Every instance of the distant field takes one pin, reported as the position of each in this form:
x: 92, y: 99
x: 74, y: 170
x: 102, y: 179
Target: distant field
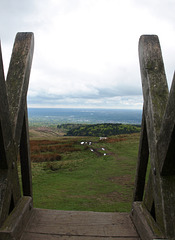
x: 83, y: 173
x: 104, y: 129
x: 45, y: 132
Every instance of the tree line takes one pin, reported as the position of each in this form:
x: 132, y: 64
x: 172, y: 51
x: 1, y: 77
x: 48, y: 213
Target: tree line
x: 99, y: 130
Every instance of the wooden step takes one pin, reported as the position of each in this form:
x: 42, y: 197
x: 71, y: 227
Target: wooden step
x: 75, y: 225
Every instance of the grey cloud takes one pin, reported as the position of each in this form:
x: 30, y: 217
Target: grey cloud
x: 120, y: 91
x: 103, y: 93
x: 114, y: 102
x: 15, y: 16
x: 53, y: 85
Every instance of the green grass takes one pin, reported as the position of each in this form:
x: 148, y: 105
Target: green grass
x: 88, y: 181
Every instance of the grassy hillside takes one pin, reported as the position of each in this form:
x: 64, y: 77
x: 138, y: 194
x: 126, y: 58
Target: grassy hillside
x: 97, y: 130
x: 84, y: 173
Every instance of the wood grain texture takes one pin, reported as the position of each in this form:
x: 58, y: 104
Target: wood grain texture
x: 25, y: 159
x: 10, y: 191
x: 12, y: 228
x: 18, y: 80
x: 142, y: 162
x: 146, y: 225
x: 51, y: 224
x: 17, y: 86
x: 155, y: 94
x: 159, y: 115
x: 166, y: 143
x: 14, y: 124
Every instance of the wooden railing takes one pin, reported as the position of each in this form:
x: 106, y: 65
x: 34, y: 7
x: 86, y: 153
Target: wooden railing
x: 154, y: 202
x: 14, y: 139
x: 153, y: 211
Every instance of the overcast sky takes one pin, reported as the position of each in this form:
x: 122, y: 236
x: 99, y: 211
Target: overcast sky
x: 86, y: 51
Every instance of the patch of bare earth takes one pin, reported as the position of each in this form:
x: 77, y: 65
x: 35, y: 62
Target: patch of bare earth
x: 124, y: 180
x: 97, y: 152
x: 44, y: 132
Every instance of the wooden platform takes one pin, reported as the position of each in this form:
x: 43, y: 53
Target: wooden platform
x: 53, y: 225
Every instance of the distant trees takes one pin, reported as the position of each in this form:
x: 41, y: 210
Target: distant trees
x: 99, y: 130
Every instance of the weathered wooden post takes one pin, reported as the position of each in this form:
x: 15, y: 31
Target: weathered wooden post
x: 14, y: 140
x: 154, y: 205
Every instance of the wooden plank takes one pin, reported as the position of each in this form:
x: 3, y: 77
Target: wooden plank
x: 146, y: 226
x: 25, y: 158
x: 12, y: 110
x: 3, y: 162
x: 155, y: 93
x: 8, y: 153
x: 36, y: 236
x: 154, y: 84
x: 18, y: 80
x: 168, y: 196
x: 148, y: 197
x: 143, y: 155
x: 79, y: 224
x: 4, y: 195
x: 5, y: 128
x: 166, y: 141
x: 17, y: 220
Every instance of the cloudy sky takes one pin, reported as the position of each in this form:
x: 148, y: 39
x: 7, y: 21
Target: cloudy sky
x: 86, y: 51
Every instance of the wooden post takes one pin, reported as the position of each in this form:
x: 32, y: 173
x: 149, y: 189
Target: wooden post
x: 154, y: 215
x: 14, y: 128
x: 17, y: 85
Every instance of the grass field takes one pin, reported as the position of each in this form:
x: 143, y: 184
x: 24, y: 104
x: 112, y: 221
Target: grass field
x: 94, y: 176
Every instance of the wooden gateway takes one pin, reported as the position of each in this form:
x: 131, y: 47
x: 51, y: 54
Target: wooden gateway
x: 154, y: 206
x: 153, y: 211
